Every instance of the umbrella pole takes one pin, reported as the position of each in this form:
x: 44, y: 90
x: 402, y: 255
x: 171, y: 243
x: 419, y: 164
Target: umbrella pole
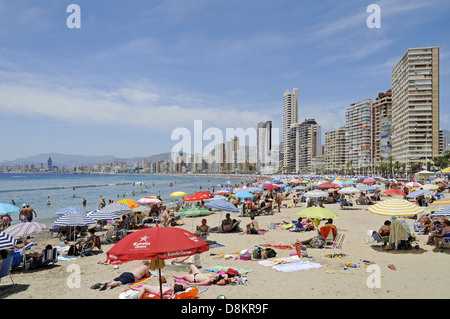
x: 160, y: 283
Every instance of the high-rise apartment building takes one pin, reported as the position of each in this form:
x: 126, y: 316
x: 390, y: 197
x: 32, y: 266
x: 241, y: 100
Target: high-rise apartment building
x: 358, y: 136
x: 415, y: 106
x: 306, y: 138
x: 381, y: 126
x: 263, y: 145
x: 334, y: 151
x: 290, y: 116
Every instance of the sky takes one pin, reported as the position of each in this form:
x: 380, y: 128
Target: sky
x: 136, y: 71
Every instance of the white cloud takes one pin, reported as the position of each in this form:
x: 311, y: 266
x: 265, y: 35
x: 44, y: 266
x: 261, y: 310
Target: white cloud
x: 138, y: 106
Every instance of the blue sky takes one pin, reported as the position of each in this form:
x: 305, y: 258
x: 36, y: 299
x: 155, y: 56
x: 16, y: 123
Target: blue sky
x: 137, y: 70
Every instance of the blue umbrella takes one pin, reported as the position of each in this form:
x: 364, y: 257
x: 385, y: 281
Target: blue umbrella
x: 222, y: 205
x: 420, y: 192
x: 8, y: 209
x: 243, y: 194
x: 69, y: 209
x: 6, y: 241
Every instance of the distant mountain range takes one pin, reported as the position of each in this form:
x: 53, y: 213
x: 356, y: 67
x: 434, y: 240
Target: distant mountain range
x: 79, y: 160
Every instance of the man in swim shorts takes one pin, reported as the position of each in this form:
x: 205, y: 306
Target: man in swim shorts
x: 126, y: 278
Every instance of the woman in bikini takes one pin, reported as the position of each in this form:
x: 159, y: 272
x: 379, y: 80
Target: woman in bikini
x: 203, y: 279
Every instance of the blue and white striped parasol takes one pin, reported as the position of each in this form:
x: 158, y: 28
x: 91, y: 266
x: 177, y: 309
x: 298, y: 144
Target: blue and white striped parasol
x: 74, y: 219
x: 222, y: 205
x: 6, y: 240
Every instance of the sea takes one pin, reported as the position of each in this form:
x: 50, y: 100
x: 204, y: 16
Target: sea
x: 48, y: 193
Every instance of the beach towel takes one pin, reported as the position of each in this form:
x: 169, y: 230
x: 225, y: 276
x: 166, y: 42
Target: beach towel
x: 67, y: 257
x: 227, y: 256
x: 276, y: 246
x: 277, y: 261
x: 217, y: 269
x: 296, y: 266
x: 138, y: 283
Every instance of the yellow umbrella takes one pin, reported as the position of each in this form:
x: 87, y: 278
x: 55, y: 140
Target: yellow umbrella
x: 430, y: 186
x: 395, y: 207
x: 177, y: 194
x: 129, y: 202
x: 446, y: 170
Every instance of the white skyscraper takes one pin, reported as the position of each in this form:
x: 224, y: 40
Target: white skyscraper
x: 290, y: 116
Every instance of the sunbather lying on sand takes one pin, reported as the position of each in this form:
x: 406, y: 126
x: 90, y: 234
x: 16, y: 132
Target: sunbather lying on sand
x: 203, y: 279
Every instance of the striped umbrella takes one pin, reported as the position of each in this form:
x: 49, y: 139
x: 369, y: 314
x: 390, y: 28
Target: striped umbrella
x: 149, y: 201
x: 316, y: 194
x: 103, y: 215
x: 74, y: 219
x: 193, y: 211
x: 444, y: 212
x: 69, y: 209
x: 116, y: 208
x: 6, y: 240
x: 395, y: 207
x: 25, y: 229
x: 441, y: 202
x: 129, y: 202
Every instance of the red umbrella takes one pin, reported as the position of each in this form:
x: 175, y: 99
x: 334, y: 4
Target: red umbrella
x: 369, y: 181
x: 198, y: 196
x: 270, y: 187
x: 328, y: 186
x: 157, y: 243
x: 395, y: 191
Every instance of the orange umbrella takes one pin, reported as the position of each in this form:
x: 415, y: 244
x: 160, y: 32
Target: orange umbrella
x: 129, y: 202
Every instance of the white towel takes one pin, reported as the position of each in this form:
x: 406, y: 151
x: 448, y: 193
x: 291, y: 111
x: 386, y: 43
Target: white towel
x: 296, y: 266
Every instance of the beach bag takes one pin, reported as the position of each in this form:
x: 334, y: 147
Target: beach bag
x: 270, y: 252
x: 257, y: 252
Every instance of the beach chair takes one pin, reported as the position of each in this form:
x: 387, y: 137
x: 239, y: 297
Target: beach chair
x: 87, y: 249
x: 337, y: 243
x: 6, y: 268
x: 443, y: 241
x: 108, y: 237
x: 419, y: 228
x: 376, y: 237
x: 49, y: 256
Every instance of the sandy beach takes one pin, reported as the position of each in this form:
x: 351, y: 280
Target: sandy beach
x: 417, y: 270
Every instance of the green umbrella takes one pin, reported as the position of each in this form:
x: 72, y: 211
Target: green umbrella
x: 193, y: 211
x: 317, y: 212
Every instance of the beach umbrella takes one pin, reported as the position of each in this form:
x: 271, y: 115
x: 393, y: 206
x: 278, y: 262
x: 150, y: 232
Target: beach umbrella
x: 70, y: 209
x: 365, y: 187
x: 444, y: 212
x: 395, y: 207
x: 193, y: 211
x: 420, y: 192
x: 116, y: 208
x: 394, y: 191
x: 328, y: 186
x: 369, y: 181
x: 317, y: 212
x: 74, y: 219
x: 348, y: 190
x: 198, y: 196
x: 413, y: 185
x: 103, y: 215
x: 441, y: 202
x: 227, y: 189
x: 222, y: 205
x: 157, y: 244
x: 220, y: 192
x: 243, y: 195
x: 218, y: 197
x: 177, y: 194
x: 129, y: 202
x: 6, y: 241
x: 25, y: 229
x: 316, y: 194
x: 6, y: 208
x: 149, y: 201
x: 431, y: 187
x: 270, y: 187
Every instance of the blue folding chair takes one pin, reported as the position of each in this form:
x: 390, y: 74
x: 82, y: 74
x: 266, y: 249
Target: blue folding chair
x: 6, y: 267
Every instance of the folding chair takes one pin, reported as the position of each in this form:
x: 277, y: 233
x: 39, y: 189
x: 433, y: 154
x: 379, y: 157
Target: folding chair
x: 419, y: 228
x: 338, y: 242
x: 49, y: 256
x: 445, y: 240
x: 377, y: 238
x: 6, y: 267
